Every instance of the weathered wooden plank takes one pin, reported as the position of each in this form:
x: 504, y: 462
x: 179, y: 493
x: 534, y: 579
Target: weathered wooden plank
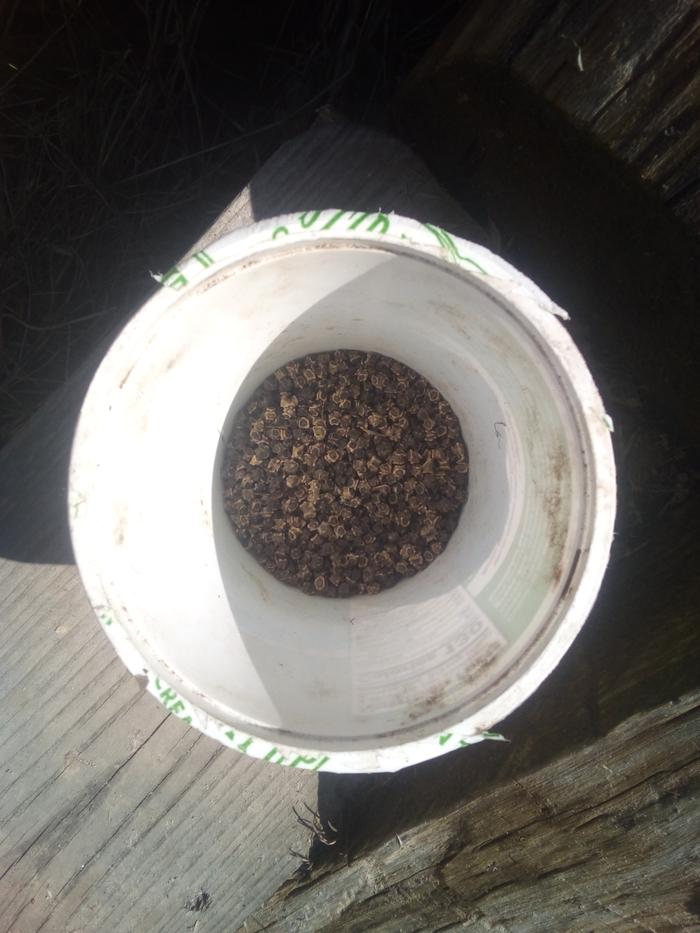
x: 602, y: 839
x: 113, y: 813
x: 495, y: 31
x: 104, y: 798
x: 624, y: 70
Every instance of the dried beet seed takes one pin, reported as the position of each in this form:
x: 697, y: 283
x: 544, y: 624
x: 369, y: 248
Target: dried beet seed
x: 345, y: 473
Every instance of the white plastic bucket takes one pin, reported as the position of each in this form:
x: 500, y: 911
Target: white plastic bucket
x: 373, y: 682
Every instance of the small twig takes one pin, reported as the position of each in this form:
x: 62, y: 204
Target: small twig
x: 305, y: 860
x: 44, y: 45
x: 315, y: 826
x: 304, y: 822
x: 42, y: 327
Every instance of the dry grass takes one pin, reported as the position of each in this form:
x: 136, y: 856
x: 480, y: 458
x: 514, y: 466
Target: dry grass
x: 111, y: 162
x: 121, y: 138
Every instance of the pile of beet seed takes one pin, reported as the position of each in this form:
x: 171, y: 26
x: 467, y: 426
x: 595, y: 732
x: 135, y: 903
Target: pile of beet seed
x: 344, y: 473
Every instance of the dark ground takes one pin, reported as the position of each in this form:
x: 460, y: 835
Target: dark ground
x: 125, y: 127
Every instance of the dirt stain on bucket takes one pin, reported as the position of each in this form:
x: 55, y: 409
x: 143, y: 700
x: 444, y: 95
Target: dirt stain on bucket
x: 428, y: 704
x: 119, y: 531
x: 557, y: 523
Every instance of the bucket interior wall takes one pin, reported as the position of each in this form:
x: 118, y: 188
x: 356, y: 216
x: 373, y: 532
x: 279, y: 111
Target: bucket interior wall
x: 368, y: 670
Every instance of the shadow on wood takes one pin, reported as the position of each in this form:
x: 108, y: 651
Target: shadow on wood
x: 34, y: 470
x: 604, y: 838
x: 627, y: 271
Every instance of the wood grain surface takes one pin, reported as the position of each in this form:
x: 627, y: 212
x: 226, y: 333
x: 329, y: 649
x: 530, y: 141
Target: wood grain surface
x: 624, y: 70
x: 561, y: 848
x: 114, y: 814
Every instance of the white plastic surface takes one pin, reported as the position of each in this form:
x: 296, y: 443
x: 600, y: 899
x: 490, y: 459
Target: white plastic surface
x: 366, y: 683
